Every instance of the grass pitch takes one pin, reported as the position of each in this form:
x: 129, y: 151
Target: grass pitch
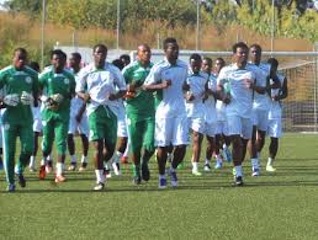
x: 281, y: 205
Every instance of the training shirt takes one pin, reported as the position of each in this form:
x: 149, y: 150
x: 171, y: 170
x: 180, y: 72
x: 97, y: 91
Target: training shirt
x: 197, y: 83
x: 99, y: 84
x: 13, y: 81
x: 62, y: 83
x: 241, y: 95
x: 76, y: 102
x: 142, y: 104
x: 172, y: 102
x: 275, y: 110
x: 260, y: 101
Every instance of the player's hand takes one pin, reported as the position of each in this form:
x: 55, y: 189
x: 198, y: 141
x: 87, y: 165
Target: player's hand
x: 166, y: 83
x: 248, y: 83
x: 130, y: 94
x: 86, y: 97
x: 189, y: 96
x: 11, y: 100
x: 51, y: 104
x: 226, y: 98
x: 26, y: 98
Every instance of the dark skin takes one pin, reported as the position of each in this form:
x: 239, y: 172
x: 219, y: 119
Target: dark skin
x: 103, y: 149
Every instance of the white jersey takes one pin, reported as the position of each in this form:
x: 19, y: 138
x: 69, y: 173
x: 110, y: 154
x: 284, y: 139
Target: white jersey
x: 239, y: 89
x: 76, y: 102
x: 197, y: 83
x: 275, y: 111
x: 100, y: 83
x: 210, y: 102
x: 261, y: 72
x: 172, y: 103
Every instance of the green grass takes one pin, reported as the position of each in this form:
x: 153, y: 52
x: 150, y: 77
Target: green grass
x: 282, y: 205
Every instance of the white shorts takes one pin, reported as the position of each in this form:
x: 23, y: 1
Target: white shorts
x: 275, y: 128
x: 37, y: 119
x: 260, y: 119
x: 81, y: 127
x: 222, y: 128
x: 173, y: 131
x: 196, y: 124
x: 240, y: 126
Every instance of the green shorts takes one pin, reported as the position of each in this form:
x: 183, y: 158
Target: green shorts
x: 141, y: 133
x: 103, y: 125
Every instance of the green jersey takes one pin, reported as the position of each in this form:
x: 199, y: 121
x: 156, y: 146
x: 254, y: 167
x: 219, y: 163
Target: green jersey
x: 63, y: 83
x: 142, y: 104
x: 14, y: 81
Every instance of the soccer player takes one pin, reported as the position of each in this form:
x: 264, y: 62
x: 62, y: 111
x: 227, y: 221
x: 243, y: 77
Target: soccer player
x: 78, y: 120
x: 222, y: 140
x: 261, y: 105
x: 140, y: 113
x: 58, y: 88
x: 196, y: 90
x: 275, y: 113
x: 211, y: 115
x: 236, y: 85
x: 125, y: 58
x: 37, y: 124
x: 168, y: 76
x: 96, y: 86
x: 20, y: 84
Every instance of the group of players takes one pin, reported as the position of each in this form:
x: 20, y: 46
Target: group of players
x: 157, y: 105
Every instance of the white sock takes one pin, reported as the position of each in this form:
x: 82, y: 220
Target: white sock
x: 126, y: 153
x: 239, y: 171
x: 270, y: 161
x: 195, y: 166
x: 73, y: 159
x: 255, y: 163
x: 32, y: 161
x: 224, y: 146
x: 84, y: 159
x: 207, y: 161
x: 172, y: 169
x: 100, y: 178
x: 49, y: 158
x: 59, y: 169
x: 43, y: 161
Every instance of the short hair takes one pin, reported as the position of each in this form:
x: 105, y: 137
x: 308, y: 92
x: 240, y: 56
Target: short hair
x: 273, y: 62
x: 118, y: 63
x: 77, y: 56
x: 167, y: 41
x: 35, y: 66
x: 257, y: 46
x: 126, y: 57
x: 58, y: 52
x: 209, y: 60
x: 21, y: 50
x: 239, y: 45
x: 221, y: 60
x: 195, y: 56
x: 100, y: 45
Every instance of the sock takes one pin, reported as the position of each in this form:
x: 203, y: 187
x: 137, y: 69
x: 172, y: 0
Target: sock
x: 49, y: 157
x: 100, y: 178
x: 172, y: 169
x: 73, y: 159
x: 162, y: 176
x: 195, y: 166
x: 270, y: 161
x: 238, y: 170
x: 59, y: 169
x: 136, y: 170
x: 43, y: 161
x: 32, y: 162
x: 207, y: 161
x: 84, y: 159
x: 255, y: 163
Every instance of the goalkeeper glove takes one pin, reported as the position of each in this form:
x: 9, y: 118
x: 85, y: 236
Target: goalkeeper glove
x: 11, y: 100
x: 54, y: 101
x: 26, y: 98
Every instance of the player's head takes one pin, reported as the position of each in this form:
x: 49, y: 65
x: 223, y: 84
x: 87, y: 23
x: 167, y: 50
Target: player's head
x: 219, y: 64
x: 125, y: 58
x: 35, y: 66
x: 20, y: 58
x: 255, y: 53
x: 118, y: 63
x: 144, y: 53
x: 58, y: 59
x: 171, y: 49
x: 273, y: 65
x: 100, y: 54
x: 195, y: 62
x: 75, y: 60
x: 207, y: 65
x: 240, y: 53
